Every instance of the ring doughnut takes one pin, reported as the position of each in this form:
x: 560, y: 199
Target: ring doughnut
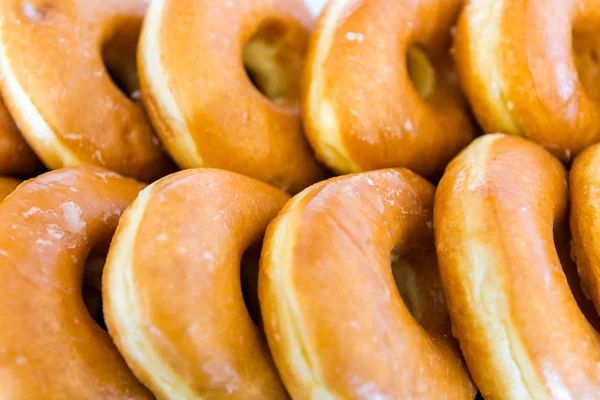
x: 7, y: 185
x: 497, y: 209
x: 53, y: 348
x: 211, y: 115
x: 182, y: 326
x: 380, y: 89
x: 531, y: 69
x: 16, y: 157
x: 60, y: 91
x: 335, y: 322
x: 585, y: 219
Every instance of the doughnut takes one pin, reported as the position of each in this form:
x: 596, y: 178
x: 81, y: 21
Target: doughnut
x: 498, y: 208
x: 60, y: 92
x: 182, y: 325
x: 584, y: 180
x: 16, y: 157
x: 7, y: 185
x: 336, y: 324
x: 379, y: 87
x: 212, y: 115
x: 53, y: 348
x: 532, y: 69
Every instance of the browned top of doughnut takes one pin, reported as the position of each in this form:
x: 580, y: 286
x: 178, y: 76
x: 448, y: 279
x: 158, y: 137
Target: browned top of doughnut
x: 182, y: 324
x: 336, y: 324
x: 201, y: 100
x: 50, y: 345
x: 60, y: 92
x: 515, y: 60
x: 512, y: 310
x: 360, y: 108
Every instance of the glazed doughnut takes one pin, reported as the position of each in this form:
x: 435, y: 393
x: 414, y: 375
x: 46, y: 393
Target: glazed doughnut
x: 7, y: 185
x: 585, y: 219
x: 53, y: 348
x: 380, y: 90
x: 60, y: 91
x: 498, y: 208
x: 532, y: 69
x: 211, y: 115
x: 182, y: 326
x: 335, y: 322
x: 16, y: 157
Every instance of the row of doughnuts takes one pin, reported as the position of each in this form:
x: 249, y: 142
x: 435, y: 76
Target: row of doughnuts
x: 338, y: 321
x: 238, y: 108
x: 481, y: 293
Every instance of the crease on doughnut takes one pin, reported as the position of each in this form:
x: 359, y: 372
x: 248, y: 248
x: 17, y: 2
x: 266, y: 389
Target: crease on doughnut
x: 124, y: 302
x: 488, y: 37
x: 151, y: 69
x: 487, y: 303
x: 329, y: 144
x: 42, y: 135
x: 305, y: 364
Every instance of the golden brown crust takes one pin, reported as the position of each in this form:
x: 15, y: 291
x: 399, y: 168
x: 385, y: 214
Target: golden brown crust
x: 51, y: 347
x: 16, y: 157
x: 182, y: 325
x: 360, y: 109
x: 584, y: 181
x: 336, y: 324
x: 515, y: 61
x: 7, y: 185
x: 497, y: 210
x: 210, y: 115
x: 60, y: 92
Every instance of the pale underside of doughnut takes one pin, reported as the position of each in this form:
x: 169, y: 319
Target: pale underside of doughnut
x: 477, y: 46
x: 177, y: 137
x: 41, y: 136
x: 51, y: 346
x: 290, y: 325
x: 329, y: 143
x: 147, y: 332
x: 520, y: 329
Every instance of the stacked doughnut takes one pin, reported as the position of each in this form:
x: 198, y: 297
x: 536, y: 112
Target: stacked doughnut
x: 245, y: 203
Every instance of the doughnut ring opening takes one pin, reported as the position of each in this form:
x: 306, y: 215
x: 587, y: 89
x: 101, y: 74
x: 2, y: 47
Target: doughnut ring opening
x: 584, y: 180
x: 335, y: 321
x: 182, y: 325
x: 533, y: 69
x: 61, y: 90
x: 211, y: 115
x: 16, y: 157
x: 379, y: 87
x: 497, y: 210
x: 51, y: 346
x: 7, y: 185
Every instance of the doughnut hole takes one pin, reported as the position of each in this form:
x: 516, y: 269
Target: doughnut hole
x: 586, y: 54
x: 562, y: 241
x: 273, y: 58
x: 119, y: 57
x: 420, y: 71
x: 91, y: 289
x: 249, y: 280
x: 417, y: 280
